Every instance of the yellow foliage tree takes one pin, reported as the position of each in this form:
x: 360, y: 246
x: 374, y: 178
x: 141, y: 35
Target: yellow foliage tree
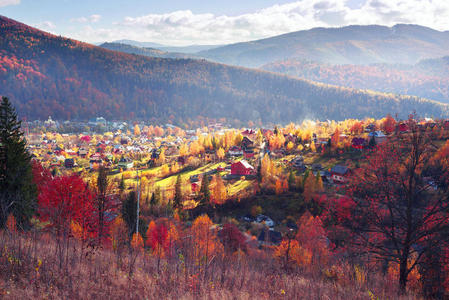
x: 136, y: 130
x: 183, y: 150
x: 205, y: 240
x: 137, y: 242
x: 218, y: 190
x: 220, y: 154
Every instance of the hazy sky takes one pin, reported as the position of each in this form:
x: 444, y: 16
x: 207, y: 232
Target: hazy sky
x: 184, y: 22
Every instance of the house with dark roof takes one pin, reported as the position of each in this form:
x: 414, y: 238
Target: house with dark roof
x: 340, y: 174
x: 269, y: 237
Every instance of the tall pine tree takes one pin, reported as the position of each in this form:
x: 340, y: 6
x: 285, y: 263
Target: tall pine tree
x: 177, y: 201
x: 18, y: 192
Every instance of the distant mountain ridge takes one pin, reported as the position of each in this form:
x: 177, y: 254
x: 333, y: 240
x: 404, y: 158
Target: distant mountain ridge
x: 180, y: 49
x: 44, y: 75
x: 353, y: 44
x: 151, y: 52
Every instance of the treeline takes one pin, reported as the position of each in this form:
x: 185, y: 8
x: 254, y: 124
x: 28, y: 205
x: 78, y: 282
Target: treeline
x: 46, y: 74
x: 428, y: 79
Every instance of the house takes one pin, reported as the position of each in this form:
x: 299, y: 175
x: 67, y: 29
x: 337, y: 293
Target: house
x: 125, y: 163
x: 298, y: 163
x: 195, y: 187
x: 265, y: 219
x: 370, y: 127
x: 235, y: 151
x: 247, y: 143
x: 248, y: 153
x: 249, y: 133
x: 69, y: 163
x: 402, y: 127
x: 359, y: 143
x: 242, y: 168
x: 379, y: 136
x: 269, y: 237
x: 82, y: 152
x: 340, y: 174
x: 95, y: 161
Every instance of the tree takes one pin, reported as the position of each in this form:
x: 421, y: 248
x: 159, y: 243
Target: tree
x: 396, y: 216
x: 309, y: 186
x: 218, y: 194
x: 67, y: 199
x: 156, y: 197
x: 205, y: 240
x: 232, y: 239
x: 129, y: 212
x: 103, y: 199
x: 121, y: 185
x: 291, y: 181
x: 177, y: 200
x: 220, y: 153
x: 18, y: 192
x: 389, y: 124
x: 136, y: 130
x: 204, y: 190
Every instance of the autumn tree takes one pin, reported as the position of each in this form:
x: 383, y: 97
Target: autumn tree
x: 218, y: 190
x: 388, y: 124
x: 183, y: 150
x: 309, y: 186
x: 396, y: 216
x: 17, y: 190
x: 220, y: 153
x: 136, y: 130
x: 67, y: 199
x: 232, y: 239
x: 204, y: 237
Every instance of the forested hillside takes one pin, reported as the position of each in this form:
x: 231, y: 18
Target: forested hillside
x: 354, y: 44
x: 428, y: 79
x: 47, y: 75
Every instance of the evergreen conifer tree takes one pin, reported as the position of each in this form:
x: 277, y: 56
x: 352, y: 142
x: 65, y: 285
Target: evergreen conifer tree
x: 204, y: 190
x: 177, y: 201
x: 129, y: 212
x: 18, y: 192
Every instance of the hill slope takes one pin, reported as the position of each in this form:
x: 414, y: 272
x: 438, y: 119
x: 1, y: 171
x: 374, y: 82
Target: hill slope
x: 152, y: 52
x: 428, y: 79
x: 347, y: 45
x: 48, y: 75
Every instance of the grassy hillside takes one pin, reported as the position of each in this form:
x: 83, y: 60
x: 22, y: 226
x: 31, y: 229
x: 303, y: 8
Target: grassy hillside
x: 47, y: 75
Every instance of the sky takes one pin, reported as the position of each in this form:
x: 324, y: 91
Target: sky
x: 206, y: 22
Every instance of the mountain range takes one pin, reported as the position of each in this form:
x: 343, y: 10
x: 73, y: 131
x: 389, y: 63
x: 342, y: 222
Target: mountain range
x: 46, y: 75
x: 404, y: 44
x: 179, y: 49
x: 146, y: 51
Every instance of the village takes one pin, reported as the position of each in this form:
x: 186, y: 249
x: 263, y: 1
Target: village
x: 295, y: 164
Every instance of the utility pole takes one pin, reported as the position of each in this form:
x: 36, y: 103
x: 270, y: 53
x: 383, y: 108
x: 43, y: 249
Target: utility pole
x: 138, y: 202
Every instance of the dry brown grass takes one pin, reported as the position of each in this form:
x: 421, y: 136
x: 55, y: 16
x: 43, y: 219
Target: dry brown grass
x: 76, y: 273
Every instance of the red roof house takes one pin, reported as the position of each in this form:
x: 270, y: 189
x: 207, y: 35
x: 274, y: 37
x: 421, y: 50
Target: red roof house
x: 242, y: 168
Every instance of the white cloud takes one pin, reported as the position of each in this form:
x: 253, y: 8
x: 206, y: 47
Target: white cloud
x: 9, y: 2
x: 185, y: 27
x: 90, y: 19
